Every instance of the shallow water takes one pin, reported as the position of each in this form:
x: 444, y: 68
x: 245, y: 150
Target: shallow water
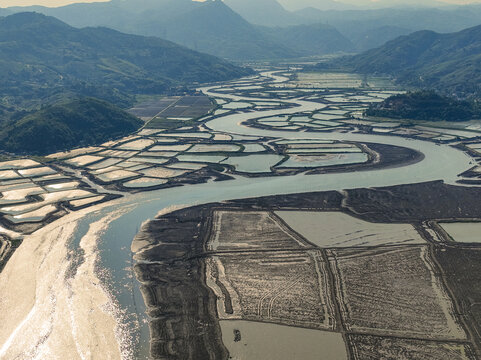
x: 325, y: 150
x: 463, y: 232
x: 254, y: 163
x: 277, y: 342
x: 237, y: 105
x: 336, y: 229
x: 201, y: 158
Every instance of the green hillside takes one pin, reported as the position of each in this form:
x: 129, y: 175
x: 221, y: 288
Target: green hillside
x: 79, y: 122
x: 425, y: 105
x: 450, y: 63
x: 44, y: 59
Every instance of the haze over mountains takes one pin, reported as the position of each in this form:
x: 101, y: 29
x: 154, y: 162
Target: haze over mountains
x: 211, y: 27
x: 294, y: 5
x: 256, y: 29
x: 244, y: 29
x: 256, y: 11
x: 43, y: 58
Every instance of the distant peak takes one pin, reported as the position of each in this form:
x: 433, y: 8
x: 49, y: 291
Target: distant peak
x: 29, y: 19
x: 30, y: 15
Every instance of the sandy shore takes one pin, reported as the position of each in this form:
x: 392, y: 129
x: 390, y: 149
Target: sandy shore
x: 57, y: 306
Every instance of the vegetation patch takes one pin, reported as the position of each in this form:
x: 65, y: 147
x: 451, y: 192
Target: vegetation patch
x: 81, y: 122
x: 169, y: 124
x: 425, y: 105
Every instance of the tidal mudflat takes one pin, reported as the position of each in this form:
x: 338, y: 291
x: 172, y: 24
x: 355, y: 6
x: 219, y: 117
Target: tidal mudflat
x: 200, y: 273
x: 379, y: 284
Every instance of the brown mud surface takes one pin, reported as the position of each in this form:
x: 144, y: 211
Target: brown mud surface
x: 461, y: 268
x: 366, y: 347
x: 181, y: 307
x: 173, y: 256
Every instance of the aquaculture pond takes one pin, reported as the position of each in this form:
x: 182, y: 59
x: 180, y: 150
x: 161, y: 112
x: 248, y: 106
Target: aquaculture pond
x: 248, y: 340
x: 463, y: 232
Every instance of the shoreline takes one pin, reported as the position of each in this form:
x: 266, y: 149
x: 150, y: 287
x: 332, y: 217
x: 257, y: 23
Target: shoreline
x: 45, y: 292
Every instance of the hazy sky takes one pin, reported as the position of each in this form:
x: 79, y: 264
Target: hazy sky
x: 53, y: 3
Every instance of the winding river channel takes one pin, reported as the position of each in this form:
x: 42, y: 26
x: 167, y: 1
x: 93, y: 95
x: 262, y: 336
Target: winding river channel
x: 112, y: 250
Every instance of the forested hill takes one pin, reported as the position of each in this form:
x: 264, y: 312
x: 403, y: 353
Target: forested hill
x: 425, y: 105
x: 43, y: 58
x: 450, y: 63
x: 79, y: 122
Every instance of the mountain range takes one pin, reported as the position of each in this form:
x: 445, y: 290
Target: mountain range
x: 43, y: 59
x: 211, y: 26
x: 295, y: 5
x: 368, y: 29
x: 242, y: 29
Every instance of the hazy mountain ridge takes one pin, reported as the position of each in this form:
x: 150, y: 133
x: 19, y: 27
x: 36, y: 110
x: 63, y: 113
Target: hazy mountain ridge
x: 369, y: 29
x: 213, y: 27
x: 295, y: 5
x: 216, y: 29
x: 450, y: 63
x: 264, y: 12
x: 311, y: 40
x: 42, y: 56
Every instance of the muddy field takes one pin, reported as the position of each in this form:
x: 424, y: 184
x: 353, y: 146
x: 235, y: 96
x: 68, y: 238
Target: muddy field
x: 415, y: 203
x: 181, y: 307
x: 245, y: 263
x: 267, y: 287
x: 367, y: 347
x: 461, y: 267
x: 393, y: 291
